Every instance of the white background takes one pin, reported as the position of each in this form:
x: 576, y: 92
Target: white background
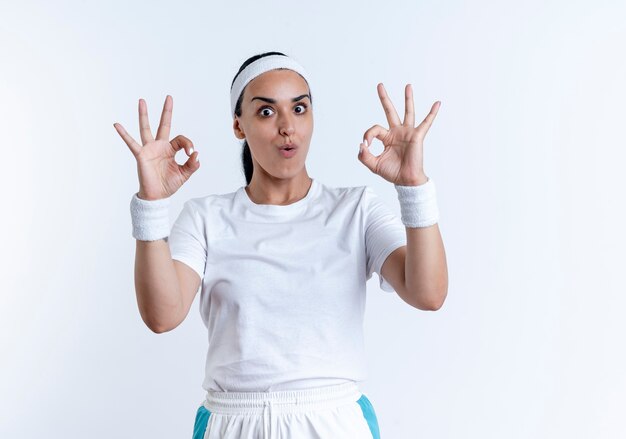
x: 526, y: 152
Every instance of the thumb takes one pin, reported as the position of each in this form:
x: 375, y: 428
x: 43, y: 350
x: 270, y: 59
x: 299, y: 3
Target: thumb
x: 366, y: 157
x: 191, y: 165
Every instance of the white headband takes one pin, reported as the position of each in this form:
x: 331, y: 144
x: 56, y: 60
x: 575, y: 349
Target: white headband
x: 258, y: 67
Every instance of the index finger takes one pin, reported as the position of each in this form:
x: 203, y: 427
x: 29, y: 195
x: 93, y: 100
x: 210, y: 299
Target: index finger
x: 163, y: 133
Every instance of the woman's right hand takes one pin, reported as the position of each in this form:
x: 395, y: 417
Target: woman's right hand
x: 159, y: 174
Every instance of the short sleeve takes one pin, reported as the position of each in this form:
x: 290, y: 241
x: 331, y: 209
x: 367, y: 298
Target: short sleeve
x: 187, y: 239
x: 384, y: 232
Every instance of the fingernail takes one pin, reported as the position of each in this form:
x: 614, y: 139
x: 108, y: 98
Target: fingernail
x: 365, y: 142
x: 191, y: 150
x: 197, y: 155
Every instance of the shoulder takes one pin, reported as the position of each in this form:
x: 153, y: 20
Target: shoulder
x: 207, y: 208
x: 344, y: 193
x: 208, y: 202
x: 374, y: 204
x: 354, y: 198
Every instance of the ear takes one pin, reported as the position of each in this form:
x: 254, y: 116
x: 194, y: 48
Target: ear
x: 237, y: 129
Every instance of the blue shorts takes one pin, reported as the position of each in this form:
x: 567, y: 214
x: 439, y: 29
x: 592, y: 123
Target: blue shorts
x: 329, y: 412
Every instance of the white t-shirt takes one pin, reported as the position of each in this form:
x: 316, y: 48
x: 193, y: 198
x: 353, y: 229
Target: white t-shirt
x: 283, y: 287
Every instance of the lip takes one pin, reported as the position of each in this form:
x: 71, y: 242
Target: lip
x: 288, y: 145
x: 288, y: 153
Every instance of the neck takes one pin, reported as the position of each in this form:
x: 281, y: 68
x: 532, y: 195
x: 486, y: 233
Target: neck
x: 278, y: 191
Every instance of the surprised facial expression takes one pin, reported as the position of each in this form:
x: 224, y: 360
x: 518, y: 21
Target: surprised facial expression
x: 276, y: 111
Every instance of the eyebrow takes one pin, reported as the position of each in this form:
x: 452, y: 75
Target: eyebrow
x: 273, y: 101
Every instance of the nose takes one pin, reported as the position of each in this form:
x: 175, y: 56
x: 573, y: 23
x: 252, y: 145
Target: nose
x: 286, y: 125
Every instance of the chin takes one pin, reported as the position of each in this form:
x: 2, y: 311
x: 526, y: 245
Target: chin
x: 287, y: 172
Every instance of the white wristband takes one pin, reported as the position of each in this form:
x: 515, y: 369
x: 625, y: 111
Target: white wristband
x: 150, y: 218
x: 418, y: 204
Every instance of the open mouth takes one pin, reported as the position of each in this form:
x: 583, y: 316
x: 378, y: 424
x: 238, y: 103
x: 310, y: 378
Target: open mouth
x: 288, y: 151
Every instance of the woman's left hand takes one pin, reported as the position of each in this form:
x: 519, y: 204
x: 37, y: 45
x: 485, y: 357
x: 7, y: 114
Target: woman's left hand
x: 402, y: 160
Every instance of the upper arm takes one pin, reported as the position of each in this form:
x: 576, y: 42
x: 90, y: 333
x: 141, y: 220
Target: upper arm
x: 188, y: 249
x: 189, y: 283
x: 385, y: 236
x: 393, y: 270
x: 187, y: 239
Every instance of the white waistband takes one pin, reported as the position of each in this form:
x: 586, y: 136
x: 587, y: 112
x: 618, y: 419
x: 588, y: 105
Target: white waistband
x: 282, y: 400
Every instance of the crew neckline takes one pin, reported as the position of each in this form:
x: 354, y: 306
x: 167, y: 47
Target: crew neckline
x: 278, y: 209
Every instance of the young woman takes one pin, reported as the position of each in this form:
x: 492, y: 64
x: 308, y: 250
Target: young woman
x: 283, y: 261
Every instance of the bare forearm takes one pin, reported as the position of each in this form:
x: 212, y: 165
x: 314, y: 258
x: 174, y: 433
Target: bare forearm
x: 426, y: 269
x: 156, y: 284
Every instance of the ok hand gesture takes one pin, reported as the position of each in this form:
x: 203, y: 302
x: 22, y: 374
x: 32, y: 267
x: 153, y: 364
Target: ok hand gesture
x: 159, y: 174
x: 402, y: 160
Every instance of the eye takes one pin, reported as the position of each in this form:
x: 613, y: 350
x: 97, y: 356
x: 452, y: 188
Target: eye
x: 264, y: 109
x: 305, y: 108
x: 267, y: 108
